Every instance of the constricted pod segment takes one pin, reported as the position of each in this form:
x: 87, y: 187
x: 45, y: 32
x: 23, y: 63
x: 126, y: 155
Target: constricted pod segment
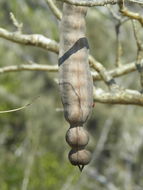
x: 77, y: 137
x: 75, y: 80
x: 79, y: 157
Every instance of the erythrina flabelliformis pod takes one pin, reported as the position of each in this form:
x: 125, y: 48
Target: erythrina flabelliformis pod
x: 79, y: 157
x: 77, y: 137
x: 75, y: 81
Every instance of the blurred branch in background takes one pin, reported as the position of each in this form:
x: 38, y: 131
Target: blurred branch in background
x: 54, y: 9
x: 117, y: 72
x: 140, y: 2
x: 119, y: 21
x: 106, y: 77
x: 101, y: 179
x: 102, y: 139
x: 33, y: 40
x: 18, y: 25
x: 128, y: 13
x: 122, y: 96
x: 90, y: 3
x: 31, y: 67
x: 139, y: 62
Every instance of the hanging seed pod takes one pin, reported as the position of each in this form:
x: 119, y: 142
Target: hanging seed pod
x: 77, y: 137
x: 75, y: 80
x: 79, y: 157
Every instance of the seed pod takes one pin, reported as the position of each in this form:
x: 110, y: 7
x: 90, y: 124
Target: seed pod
x: 75, y: 81
x: 77, y: 137
x: 79, y: 157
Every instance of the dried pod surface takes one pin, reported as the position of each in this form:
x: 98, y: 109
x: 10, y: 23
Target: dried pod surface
x: 79, y: 157
x: 75, y: 81
x: 76, y: 85
x: 77, y: 137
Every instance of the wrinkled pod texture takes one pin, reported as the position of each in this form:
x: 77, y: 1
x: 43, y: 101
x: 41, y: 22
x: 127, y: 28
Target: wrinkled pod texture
x: 75, y: 81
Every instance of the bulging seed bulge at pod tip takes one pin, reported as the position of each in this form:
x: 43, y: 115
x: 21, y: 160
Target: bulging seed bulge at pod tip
x: 77, y: 137
x: 79, y: 157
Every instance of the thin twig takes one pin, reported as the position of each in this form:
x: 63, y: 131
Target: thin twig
x: 16, y: 23
x: 54, y: 9
x: 27, y: 171
x: 119, y: 46
x: 20, y: 108
x: 119, y: 22
x: 126, y: 12
x: 139, y: 63
x: 107, y: 78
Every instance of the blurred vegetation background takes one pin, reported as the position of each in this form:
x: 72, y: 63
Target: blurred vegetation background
x: 33, y: 151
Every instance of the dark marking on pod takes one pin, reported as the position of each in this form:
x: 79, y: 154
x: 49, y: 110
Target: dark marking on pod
x: 79, y: 44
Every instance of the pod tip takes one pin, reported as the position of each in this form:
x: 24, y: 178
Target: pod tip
x: 81, y: 167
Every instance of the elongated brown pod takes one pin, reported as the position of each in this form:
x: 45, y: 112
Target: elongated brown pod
x: 75, y: 81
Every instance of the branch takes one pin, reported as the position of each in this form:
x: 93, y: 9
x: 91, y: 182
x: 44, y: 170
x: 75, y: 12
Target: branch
x: 33, y: 40
x: 118, y: 21
x: 139, y: 63
x: 100, y: 178
x: 90, y: 3
x: 118, y: 45
x: 32, y: 67
x: 117, y: 72
x: 18, y: 25
x: 131, y: 97
x: 122, y: 70
x: 118, y: 97
x: 107, y: 78
x: 51, y: 45
x: 54, y: 9
x: 128, y: 13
